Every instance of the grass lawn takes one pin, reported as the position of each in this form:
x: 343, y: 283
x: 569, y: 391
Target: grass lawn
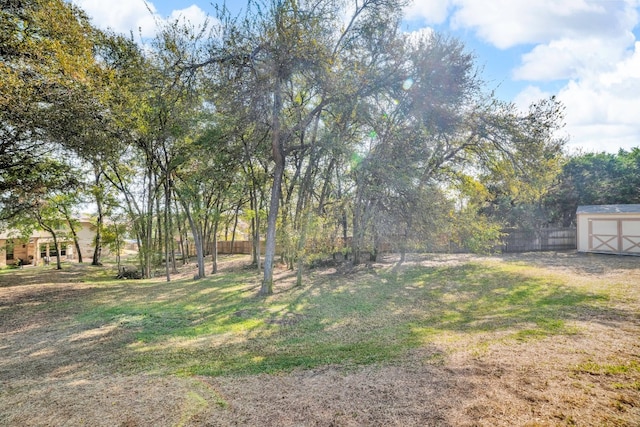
x: 218, y: 326
x: 452, y: 322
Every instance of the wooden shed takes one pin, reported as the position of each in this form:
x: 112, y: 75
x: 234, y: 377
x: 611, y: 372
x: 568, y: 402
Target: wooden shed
x: 613, y: 229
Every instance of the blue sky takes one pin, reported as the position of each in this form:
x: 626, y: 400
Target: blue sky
x: 586, y: 52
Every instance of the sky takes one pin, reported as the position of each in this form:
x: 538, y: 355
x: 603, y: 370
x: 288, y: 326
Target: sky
x: 585, y: 52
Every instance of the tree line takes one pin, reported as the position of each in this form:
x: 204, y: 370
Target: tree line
x: 321, y: 125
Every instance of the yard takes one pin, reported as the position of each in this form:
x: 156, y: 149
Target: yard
x: 534, y: 339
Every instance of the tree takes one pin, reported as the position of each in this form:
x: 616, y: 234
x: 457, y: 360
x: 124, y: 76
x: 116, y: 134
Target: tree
x: 283, y: 54
x: 46, y: 69
x: 114, y: 236
x: 424, y: 124
x: 433, y: 123
x: 594, y: 179
x: 207, y: 169
x: 43, y: 207
x: 521, y: 175
x: 299, y: 48
x: 66, y: 205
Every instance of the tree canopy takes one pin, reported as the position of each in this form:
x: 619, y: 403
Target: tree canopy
x: 323, y: 127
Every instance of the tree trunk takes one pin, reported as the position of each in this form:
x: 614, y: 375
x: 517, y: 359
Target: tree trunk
x: 74, y: 234
x: 255, y: 229
x: 182, y: 234
x: 171, y: 232
x: 214, y: 250
x: 168, y: 256
x: 355, y: 239
x: 76, y: 242
x: 357, y: 227
x: 257, y: 249
x: 377, y: 244
x: 301, y: 245
x: 55, y: 244
x: 197, y: 240
x: 199, y: 244
x: 270, y: 250
x: 235, y: 226
x: 277, y: 147
x: 158, y: 241
x: 149, y: 227
x: 118, y: 249
x: 97, y: 250
x: 343, y: 219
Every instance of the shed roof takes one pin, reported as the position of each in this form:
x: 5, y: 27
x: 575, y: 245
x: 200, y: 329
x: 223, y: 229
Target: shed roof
x: 612, y: 209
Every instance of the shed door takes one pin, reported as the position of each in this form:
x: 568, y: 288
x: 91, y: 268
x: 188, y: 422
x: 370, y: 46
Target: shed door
x: 630, y: 236
x: 616, y: 235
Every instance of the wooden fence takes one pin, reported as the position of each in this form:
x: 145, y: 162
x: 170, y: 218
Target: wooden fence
x: 225, y: 247
x: 544, y: 239
x: 239, y: 247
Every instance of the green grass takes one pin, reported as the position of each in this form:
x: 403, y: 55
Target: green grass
x: 593, y: 368
x: 219, y: 326
x: 635, y: 385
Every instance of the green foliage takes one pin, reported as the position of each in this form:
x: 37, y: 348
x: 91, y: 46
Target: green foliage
x: 595, y: 179
x: 358, y: 130
x: 51, y: 95
x: 37, y: 179
x: 113, y: 235
x: 476, y: 233
x: 48, y: 207
x: 519, y: 177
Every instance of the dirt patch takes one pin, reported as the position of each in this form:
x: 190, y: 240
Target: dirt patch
x: 54, y: 371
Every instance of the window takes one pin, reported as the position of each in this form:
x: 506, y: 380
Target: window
x: 9, y: 250
x: 52, y: 251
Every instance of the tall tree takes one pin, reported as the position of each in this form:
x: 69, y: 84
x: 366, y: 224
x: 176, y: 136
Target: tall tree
x: 521, y: 174
x: 46, y: 68
x: 300, y: 46
x: 207, y: 169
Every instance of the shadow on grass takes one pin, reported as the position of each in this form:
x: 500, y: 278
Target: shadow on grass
x: 219, y: 326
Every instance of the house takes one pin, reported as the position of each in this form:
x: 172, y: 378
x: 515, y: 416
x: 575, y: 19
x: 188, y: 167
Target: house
x: 39, y: 247
x: 611, y: 229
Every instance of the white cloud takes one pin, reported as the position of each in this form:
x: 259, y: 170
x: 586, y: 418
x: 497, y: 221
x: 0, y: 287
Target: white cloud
x: 432, y: 11
x: 596, y: 120
x: 508, y: 23
x: 142, y: 18
x: 415, y: 37
x: 602, y: 109
x: 570, y: 58
x: 193, y: 14
x: 596, y: 138
x: 121, y: 16
x: 626, y: 71
x: 585, y: 47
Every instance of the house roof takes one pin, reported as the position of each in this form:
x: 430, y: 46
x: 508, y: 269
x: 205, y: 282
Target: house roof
x: 13, y: 234
x: 6, y: 233
x: 608, y: 209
